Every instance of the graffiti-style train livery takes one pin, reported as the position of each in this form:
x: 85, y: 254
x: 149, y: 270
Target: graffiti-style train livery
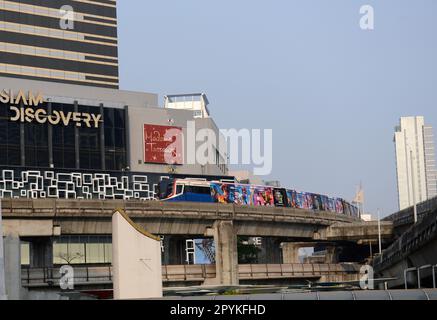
x: 196, y: 190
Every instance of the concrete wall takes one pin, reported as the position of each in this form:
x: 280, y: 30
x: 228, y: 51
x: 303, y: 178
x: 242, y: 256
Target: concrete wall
x: 59, y: 92
x: 136, y: 260
x: 138, y: 117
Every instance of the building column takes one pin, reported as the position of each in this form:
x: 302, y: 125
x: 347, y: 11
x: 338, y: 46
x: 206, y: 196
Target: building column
x: 331, y: 255
x: 102, y: 138
x: 77, y: 138
x: 128, y: 146
x: 50, y: 137
x: 12, y: 261
x: 41, y: 253
x: 290, y: 251
x: 22, y: 140
x: 226, y: 255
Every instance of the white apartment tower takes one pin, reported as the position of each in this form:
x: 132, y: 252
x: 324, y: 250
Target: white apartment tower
x: 415, y: 161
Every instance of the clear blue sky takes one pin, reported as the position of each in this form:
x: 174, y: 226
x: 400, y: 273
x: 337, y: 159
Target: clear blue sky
x: 332, y: 92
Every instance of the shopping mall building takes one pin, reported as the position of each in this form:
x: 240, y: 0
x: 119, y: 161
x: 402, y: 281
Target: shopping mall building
x: 80, y: 142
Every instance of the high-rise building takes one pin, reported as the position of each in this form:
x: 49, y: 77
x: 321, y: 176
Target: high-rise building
x: 415, y: 160
x: 67, y: 41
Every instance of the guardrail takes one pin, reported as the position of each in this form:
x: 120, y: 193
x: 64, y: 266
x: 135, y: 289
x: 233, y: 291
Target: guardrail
x: 406, y: 216
x: 412, y: 240
x: 418, y: 272
x: 186, y: 273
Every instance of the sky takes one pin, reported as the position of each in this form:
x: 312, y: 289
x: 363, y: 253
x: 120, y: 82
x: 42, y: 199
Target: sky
x: 331, y: 92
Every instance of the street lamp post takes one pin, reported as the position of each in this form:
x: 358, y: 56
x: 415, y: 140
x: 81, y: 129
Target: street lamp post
x: 414, y: 187
x: 2, y: 260
x: 379, y: 233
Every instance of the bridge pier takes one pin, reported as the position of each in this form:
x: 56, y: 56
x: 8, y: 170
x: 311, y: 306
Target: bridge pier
x: 270, y: 251
x: 12, y: 260
x: 174, y: 250
x: 290, y: 251
x: 226, y: 255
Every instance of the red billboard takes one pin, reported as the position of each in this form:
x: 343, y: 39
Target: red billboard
x: 163, y: 144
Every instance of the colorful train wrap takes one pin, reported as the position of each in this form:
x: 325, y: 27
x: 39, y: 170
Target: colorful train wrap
x: 198, y: 190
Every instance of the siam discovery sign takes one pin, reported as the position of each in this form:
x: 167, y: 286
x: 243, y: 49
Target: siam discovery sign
x: 22, y: 108
x: 163, y: 144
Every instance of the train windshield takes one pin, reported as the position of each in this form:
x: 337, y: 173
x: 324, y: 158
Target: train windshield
x: 165, y: 188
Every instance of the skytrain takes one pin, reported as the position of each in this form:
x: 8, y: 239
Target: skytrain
x: 199, y: 190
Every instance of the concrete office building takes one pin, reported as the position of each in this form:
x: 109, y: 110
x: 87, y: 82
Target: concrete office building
x: 415, y: 161
x: 62, y: 41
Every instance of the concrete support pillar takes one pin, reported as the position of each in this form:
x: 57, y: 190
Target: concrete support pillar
x: 331, y: 255
x: 41, y: 253
x: 270, y: 251
x: 226, y: 255
x: 174, y: 250
x: 12, y: 262
x: 290, y: 251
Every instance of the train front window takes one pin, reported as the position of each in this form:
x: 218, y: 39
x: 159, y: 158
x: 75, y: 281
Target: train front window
x: 198, y: 190
x: 179, y: 188
x: 165, y: 189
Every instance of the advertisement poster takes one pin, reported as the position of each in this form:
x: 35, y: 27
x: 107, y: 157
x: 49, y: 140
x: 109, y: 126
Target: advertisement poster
x: 229, y: 193
x: 162, y: 140
x: 338, y: 206
x: 263, y: 196
x: 317, y: 202
x: 219, y: 192
x: 242, y: 194
x: 292, y: 199
x: 331, y: 204
x: 308, y: 204
x: 300, y: 200
x: 280, y: 197
x: 325, y: 206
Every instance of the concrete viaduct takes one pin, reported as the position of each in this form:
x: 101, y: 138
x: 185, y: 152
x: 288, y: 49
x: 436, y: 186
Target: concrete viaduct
x: 47, y: 218
x: 415, y: 246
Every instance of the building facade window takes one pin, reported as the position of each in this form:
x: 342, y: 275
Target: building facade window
x: 115, y: 139
x: 73, y: 147
x: 36, y: 147
x: 89, y: 143
x: 82, y: 250
x: 64, y: 151
x: 10, y: 150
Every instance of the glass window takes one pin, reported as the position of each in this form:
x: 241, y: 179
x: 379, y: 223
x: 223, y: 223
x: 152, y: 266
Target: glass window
x: 9, y: 139
x: 25, y: 253
x: 69, y: 253
x: 95, y: 252
x: 82, y: 250
x: 60, y: 253
x: 115, y: 139
x: 64, y: 141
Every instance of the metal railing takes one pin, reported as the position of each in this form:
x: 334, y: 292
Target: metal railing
x: 418, y: 272
x: 412, y: 240
x: 193, y: 273
x: 52, y: 276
